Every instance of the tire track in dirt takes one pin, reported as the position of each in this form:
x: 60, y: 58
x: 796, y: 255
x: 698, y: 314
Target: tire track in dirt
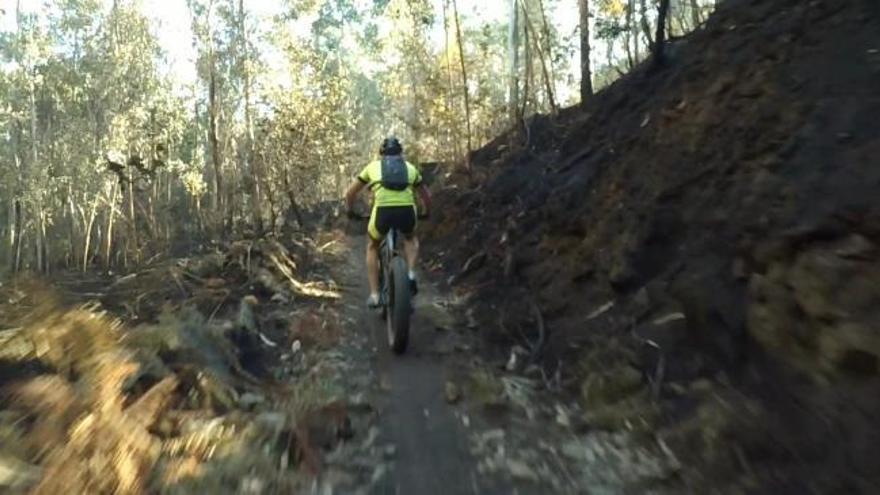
x: 430, y: 442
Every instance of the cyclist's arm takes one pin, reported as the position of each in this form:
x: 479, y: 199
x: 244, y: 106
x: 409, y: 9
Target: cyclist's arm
x: 351, y: 195
x: 361, y: 180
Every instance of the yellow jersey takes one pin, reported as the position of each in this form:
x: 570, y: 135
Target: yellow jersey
x: 371, y: 175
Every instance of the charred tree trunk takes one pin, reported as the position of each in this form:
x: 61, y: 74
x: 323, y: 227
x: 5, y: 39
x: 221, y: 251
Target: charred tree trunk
x: 294, y: 205
x: 646, y: 26
x: 627, y: 40
x: 464, y: 81
x: 548, y: 83
x: 528, y: 79
x: 586, y: 72
x: 217, y: 198
x: 250, y: 163
x: 660, y: 38
x: 634, y: 31
x: 513, y: 57
x: 695, y: 14
x: 454, y: 135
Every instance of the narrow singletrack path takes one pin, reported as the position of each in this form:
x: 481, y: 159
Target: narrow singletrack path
x: 428, y: 435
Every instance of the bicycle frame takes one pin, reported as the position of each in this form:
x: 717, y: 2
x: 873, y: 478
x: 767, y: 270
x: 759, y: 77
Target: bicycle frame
x: 387, y: 250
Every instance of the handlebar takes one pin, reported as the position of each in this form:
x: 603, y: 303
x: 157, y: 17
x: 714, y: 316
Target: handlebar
x: 353, y: 215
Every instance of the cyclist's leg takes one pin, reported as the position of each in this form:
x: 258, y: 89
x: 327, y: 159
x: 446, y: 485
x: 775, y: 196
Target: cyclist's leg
x: 411, y: 252
x: 373, y: 242
x: 411, y: 249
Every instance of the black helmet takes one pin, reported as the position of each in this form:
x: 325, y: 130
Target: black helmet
x: 390, y: 146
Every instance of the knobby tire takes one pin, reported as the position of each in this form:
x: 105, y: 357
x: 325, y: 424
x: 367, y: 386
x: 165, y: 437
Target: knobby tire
x: 399, y: 305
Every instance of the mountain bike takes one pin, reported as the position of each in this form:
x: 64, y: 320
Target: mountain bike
x: 395, y: 295
x: 394, y: 290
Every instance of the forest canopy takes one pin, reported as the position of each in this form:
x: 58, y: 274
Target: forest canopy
x: 133, y: 128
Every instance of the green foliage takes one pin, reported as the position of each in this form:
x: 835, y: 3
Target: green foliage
x: 107, y: 159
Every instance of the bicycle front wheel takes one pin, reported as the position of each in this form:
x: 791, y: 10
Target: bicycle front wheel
x: 399, y: 306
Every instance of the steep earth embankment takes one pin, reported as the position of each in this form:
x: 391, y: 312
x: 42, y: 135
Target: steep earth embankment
x: 702, y: 243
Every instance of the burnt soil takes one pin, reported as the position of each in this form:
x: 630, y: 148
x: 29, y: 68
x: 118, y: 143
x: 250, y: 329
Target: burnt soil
x: 713, y: 224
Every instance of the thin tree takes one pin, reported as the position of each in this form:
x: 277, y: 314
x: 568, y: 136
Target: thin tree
x: 452, y: 130
x: 628, y: 39
x: 660, y: 38
x: 586, y: 73
x: 513, y: 57
x: 250, y: 163
x: 646, y: 27
x: 529, y: 77
x: 695, y: 14
x: 548, y: 82
x: 548, y: 39
x: 633, y: 31
x: 464, y: 79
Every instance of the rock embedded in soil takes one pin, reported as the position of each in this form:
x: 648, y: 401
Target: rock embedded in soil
x: 521, y: 470
x: 610, y: 386
x: 452, y: 392
x: 249, y: 400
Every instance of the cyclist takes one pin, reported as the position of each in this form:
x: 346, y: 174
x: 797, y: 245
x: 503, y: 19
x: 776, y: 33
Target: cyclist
x: 395, y: 184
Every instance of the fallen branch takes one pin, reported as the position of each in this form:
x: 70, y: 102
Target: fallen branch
x: 471, y: 265
x: 538, y: 348
x: 214, y: 313
x: 122, y: 280
x: 659, y: 370
x: 324, y: 246
x: 305, y: 289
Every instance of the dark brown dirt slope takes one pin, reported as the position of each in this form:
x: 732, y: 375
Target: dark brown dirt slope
x: 729, y: 206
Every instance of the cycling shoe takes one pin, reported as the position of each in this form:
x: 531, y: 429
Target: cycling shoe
x: 374, y: 302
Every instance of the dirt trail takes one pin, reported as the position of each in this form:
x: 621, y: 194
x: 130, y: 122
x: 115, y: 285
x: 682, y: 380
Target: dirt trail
x: 429, y: 439
x: 502, y: 435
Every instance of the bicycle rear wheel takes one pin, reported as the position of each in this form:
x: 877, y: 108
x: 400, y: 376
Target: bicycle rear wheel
x: 399, y: 305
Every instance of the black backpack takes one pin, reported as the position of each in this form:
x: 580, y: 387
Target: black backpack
x: 395, y: 173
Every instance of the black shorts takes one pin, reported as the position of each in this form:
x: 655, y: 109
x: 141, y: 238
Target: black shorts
x: 384, y: 218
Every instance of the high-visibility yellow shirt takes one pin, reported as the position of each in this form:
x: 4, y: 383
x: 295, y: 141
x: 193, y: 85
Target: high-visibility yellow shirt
x: 371, y: 175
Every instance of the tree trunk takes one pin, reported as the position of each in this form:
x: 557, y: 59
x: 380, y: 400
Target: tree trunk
x: 646, y: 26
x: 627, y: 40
x: 38, y: 225
x: 634, y: 32
x: 660, y: 38
x: 294, y: 205
x: 695, y: 14
x: 39, y: 240
x: 527, y: 81
x: 454, y: 129
x: 89, y: 225
x: 132, y: 218
x: 548, y: 40
x: 250, y: 163
x: 15, y: 256
x: 450, y: 85
x: 609, y: 53
x: 548, y: 83
x: 270, y: 197
x: 10, y: 253
x: 216, y: 160
x: 513, y: 58
x: 464, y: 80
x: 586, y: 73
x: 15, y: 220
x: 108, y: 241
